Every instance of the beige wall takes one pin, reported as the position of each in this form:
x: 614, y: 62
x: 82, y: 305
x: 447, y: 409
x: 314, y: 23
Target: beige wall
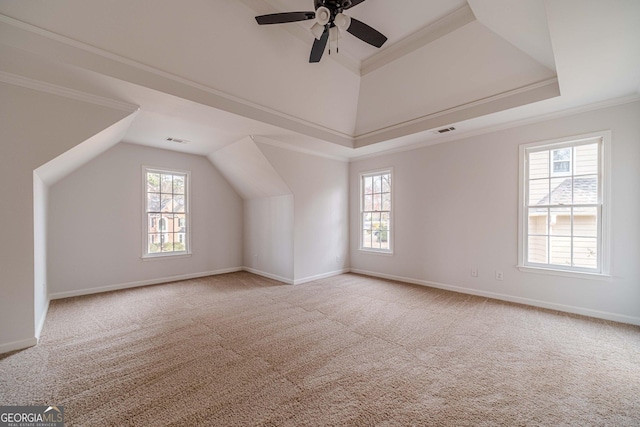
x: 456, y: 208
x: 36, y: 127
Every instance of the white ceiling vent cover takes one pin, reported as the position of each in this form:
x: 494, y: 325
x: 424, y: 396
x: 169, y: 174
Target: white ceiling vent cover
x: 444, y: 130
x: 177, y: 140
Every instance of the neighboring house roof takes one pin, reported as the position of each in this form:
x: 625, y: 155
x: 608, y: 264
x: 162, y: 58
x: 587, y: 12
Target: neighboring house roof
x: 584, y: 188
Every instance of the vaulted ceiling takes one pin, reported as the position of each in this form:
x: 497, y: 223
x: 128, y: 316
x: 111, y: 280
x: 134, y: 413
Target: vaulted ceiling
x: 204, y: 71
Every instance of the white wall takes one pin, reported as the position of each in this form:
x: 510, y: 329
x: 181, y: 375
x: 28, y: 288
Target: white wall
x: 321, y: 210
x: 268, y: 237
x: 95, y: 223
x: 36, y: 127
x: 456, y: 208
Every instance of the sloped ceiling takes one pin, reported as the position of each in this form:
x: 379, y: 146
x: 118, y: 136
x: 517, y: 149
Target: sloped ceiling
x: 446, y: 63
x: 248, y: 170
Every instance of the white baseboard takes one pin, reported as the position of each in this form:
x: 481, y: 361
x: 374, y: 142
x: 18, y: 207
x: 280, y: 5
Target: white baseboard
x: 18, y: 345
x: 268, y: 275
x: 43, y: 317
x: 88, y: 291
x: 503, y: 297
x: 320, y: 276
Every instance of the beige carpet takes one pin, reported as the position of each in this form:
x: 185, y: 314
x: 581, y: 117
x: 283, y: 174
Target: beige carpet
x: 239, y: 349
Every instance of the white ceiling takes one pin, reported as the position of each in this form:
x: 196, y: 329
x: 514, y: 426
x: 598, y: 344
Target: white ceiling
x: 204, y: 71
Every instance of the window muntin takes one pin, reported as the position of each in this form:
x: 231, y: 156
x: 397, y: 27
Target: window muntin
x: 166, y: 212
x: 563, y: 206
x: 375, y: 211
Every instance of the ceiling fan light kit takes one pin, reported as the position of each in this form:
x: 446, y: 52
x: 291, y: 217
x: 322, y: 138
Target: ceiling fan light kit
x: 329, y: 19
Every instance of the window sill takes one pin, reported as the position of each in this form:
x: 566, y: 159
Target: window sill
x: 562, y: 273
x: 169, y: 256
x: 376, y: 252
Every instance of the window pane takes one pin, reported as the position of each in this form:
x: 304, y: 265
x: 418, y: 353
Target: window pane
x: 166, y: 203
x: 585, y: 222
x: 368, y: 185
x: 539, y: 165
x: 561, y: 161
x: 377, y: 202
x: 377, y: 184
x: 178, y: 246
x: 366, y: 221
x: 586, y: 159
x: 153, y: 182
x: 585, y: 190
x: 153, y: 202
x: 585, y: 252
x: 166, y: 183
x: 368, y: 202
x: 538, y: 220
x: 560, y: 250
x: 153, y: 223
x: 386, y: 183
x: 166, y: 223
x: 180, y: 222
x: 366, y: 238
x: 154, y: 243
x: 375, y: 220
x: 178, y: 184
x: 561, y: 191
x: 178, y: 204
x: 539, y: 192
x: 386, y: 202
x: 537, y: 249
x: 560, y: 224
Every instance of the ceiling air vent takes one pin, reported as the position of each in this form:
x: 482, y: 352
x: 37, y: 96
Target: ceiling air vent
x: 177, y: 140
x: 444, y: 130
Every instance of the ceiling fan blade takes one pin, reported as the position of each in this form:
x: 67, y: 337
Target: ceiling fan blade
x: 354, y: 3
x: 318, y: 47
x: 366, y: 33
x: 281, y: 18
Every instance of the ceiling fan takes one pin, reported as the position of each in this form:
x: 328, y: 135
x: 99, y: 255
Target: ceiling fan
x: 328, y: 15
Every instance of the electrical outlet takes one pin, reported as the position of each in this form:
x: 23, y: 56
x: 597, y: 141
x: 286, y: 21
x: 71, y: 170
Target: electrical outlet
x: 499, y: 275
x: 337, y: 258
x: 474, y: 272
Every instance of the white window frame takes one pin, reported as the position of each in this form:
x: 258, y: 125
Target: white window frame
x: 146, y: 256
x: 604, y: 220
x: 391, y: 230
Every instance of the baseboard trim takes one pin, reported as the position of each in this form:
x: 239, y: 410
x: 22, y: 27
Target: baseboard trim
x: 18, y: 345
x: 89, y: 291
x: 40, y: 324
x: 268, y: 275
x: 320, y: 276
x: 503, y: 297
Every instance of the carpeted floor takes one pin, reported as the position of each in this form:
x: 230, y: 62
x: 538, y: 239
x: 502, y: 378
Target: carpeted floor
x: 238, y: 349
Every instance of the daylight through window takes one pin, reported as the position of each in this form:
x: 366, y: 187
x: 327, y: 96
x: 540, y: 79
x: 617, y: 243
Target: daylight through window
x: 563, y: 206
x: 375, y: 202
x: 166, y: 213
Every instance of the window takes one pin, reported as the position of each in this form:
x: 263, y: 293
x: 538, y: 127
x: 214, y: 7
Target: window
x: 166, y: 212
x: 375, y: 211
x: 564, y: 205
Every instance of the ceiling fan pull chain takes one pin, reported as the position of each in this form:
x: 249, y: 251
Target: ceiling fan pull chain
x: 329, y: 29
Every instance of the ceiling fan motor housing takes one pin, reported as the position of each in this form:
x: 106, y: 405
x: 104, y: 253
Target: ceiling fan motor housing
x: 335, y: 6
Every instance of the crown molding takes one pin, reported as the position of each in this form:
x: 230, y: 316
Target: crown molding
x: 77, y: 95
x: 172, y: 84
x: 609, y: 103
x: 510, y: 99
